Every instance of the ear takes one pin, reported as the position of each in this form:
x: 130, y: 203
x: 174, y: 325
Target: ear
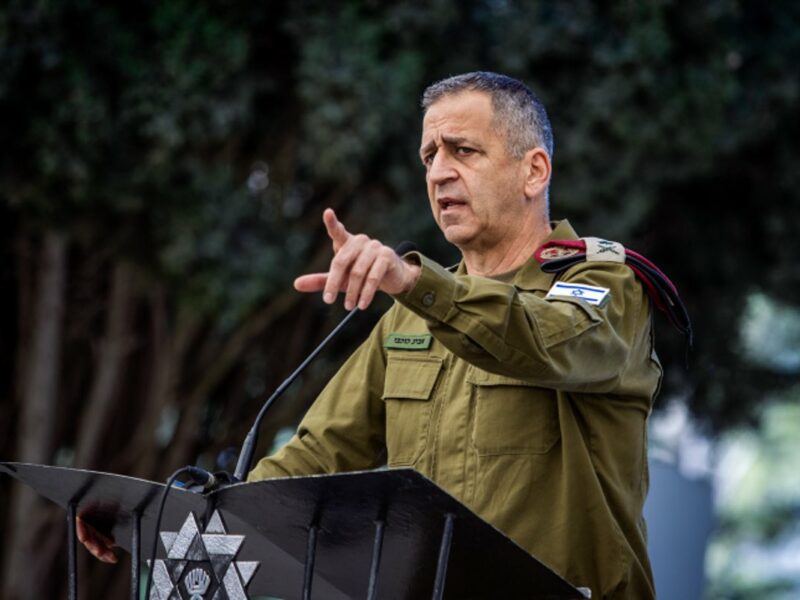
x: 537, y: 169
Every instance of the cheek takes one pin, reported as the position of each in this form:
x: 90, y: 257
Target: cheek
x: 430, y: 190
x: 432, y: 203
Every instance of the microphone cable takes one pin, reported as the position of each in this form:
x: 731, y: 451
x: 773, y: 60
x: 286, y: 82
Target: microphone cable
x: 202, y: 479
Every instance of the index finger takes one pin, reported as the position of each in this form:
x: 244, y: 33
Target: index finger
x: 336, y: 229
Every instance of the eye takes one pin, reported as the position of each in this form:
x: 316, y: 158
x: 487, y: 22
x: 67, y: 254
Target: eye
x: 464, y: 151
x: 428, y: 159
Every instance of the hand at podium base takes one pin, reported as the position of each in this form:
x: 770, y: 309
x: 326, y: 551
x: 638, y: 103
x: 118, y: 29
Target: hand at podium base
x: 99, y: 545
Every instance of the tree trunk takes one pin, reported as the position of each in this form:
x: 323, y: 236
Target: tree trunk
x: 183, y: 446
x: 168, y: 347
x: 113, y: 349
x: 37, y: 418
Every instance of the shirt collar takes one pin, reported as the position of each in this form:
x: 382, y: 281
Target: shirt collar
x: 530, y: 275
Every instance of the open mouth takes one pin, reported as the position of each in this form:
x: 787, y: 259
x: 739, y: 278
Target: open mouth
x: 448, y: 203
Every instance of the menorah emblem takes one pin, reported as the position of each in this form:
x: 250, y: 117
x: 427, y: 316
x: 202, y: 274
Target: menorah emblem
x: 196, y: 583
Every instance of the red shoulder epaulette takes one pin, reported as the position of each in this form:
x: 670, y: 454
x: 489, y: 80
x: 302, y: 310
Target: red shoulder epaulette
x: 556, y: 256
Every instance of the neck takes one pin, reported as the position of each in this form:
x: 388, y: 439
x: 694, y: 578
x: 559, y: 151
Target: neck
x: 505, y: 256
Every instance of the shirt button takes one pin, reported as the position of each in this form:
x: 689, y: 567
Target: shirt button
x: 428, y: 299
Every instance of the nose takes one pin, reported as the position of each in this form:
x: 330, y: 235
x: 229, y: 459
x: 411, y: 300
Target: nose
x: 441, y: 169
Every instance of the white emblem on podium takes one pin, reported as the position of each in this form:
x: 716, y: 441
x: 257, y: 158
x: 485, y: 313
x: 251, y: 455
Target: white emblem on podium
x: 202, y: 564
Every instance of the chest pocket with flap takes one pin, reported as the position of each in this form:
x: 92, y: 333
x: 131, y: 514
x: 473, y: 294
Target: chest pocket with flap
x: 407, y: 391
x: 512, y: 416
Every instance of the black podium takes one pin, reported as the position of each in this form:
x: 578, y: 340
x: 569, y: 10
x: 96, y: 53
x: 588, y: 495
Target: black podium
x: 376, y: 534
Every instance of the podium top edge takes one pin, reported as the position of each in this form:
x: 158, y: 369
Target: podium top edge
x: 11, y: 468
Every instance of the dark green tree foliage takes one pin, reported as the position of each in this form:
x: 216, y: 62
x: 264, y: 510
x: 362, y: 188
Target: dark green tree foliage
x: 127, y: 129
x: 164, y: 166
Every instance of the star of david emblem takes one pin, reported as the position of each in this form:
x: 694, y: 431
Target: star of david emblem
x: 201, y: 566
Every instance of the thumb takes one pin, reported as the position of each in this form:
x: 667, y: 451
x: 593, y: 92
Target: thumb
x: 313, y: 282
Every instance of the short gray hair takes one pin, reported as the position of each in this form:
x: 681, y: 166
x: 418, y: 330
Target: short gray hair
x: 516, y: 108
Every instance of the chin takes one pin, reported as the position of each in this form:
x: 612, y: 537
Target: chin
x: 458, y: 237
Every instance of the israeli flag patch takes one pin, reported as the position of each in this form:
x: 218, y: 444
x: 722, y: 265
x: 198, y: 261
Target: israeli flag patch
x: 597, y: 296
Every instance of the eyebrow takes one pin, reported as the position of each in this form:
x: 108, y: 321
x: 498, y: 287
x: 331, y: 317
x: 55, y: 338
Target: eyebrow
x: 450, y: 140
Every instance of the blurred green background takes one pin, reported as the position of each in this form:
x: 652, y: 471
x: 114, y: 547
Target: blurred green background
x: 163, y: 171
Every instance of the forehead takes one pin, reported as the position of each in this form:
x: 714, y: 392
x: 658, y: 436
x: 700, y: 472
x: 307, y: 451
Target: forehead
x: 462, y: 114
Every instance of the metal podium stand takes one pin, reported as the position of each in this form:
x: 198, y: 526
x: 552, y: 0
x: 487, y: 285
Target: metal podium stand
x: 376, y: 534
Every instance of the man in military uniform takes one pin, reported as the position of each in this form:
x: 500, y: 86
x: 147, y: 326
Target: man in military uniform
x: 496, y: 381
x: 531, y: 410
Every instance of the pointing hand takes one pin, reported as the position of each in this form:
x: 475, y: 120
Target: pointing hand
x: 359, y: 268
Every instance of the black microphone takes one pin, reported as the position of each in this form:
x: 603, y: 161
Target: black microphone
x: 249, y: 445
x: 204, y: 481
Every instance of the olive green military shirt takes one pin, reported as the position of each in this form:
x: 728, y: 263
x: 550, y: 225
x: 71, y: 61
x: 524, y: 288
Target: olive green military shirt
x: 532, y: 412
